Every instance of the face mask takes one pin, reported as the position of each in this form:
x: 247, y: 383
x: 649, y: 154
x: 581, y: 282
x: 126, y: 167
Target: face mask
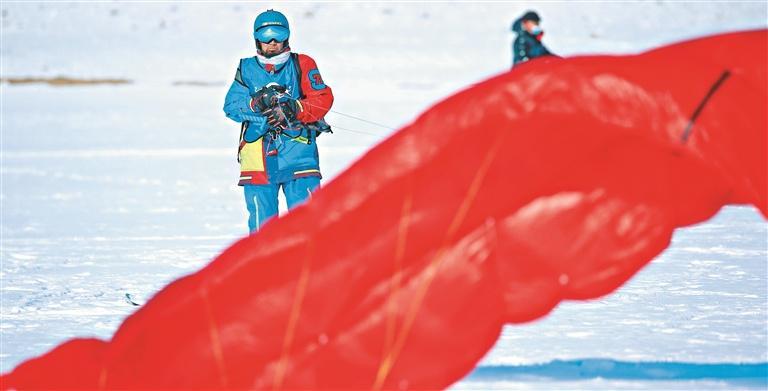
x: 536, y: 30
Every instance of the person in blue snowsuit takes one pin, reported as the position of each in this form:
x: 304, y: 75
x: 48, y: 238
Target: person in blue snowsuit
x: 280, y: 99
x: 528, y: 44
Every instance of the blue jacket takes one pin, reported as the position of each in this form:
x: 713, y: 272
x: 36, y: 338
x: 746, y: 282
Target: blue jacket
x: 526, y: 46
x: 263, y: 156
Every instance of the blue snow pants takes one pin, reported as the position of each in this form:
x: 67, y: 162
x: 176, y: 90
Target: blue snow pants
x: 261, y: 200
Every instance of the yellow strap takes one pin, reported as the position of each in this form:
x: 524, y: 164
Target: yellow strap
x: 300, y: 139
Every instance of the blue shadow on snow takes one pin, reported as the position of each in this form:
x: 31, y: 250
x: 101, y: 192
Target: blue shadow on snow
x: 590, y: 368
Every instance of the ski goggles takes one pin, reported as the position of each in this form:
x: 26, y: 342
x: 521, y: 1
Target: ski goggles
x: 268, y: 33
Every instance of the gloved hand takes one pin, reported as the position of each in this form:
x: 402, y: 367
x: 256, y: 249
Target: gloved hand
x: 266, y: 97
x: 282, y: 115
x: 290, y: 108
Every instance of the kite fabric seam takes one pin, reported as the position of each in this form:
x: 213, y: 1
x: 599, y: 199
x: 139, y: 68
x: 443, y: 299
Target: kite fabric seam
x: 391, y: 357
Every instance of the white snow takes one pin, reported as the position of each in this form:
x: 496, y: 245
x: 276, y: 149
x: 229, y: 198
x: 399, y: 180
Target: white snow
x: 114, y: 189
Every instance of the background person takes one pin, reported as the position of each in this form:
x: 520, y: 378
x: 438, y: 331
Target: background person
x: 528, y: 44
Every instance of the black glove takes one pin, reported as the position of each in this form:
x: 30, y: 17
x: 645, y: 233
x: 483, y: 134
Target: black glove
x: 282, y: 115
x: 266, y: 97
x: 290, y: 108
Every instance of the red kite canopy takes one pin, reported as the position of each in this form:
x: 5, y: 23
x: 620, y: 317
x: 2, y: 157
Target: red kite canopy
x: 558, y: 180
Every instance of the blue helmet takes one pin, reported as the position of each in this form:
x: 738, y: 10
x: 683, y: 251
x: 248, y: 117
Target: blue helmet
x: 271, y: 25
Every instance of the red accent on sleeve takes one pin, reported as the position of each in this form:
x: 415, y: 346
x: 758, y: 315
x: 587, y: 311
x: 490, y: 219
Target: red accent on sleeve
x: 315, y: 103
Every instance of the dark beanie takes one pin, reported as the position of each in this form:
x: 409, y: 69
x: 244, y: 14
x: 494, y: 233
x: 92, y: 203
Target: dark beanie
x: 530, y: 15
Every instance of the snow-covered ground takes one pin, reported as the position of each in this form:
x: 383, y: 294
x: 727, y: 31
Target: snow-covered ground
x: 113, y: 189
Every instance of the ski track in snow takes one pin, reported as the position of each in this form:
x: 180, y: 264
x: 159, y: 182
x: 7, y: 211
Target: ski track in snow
x: 121, y: 189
